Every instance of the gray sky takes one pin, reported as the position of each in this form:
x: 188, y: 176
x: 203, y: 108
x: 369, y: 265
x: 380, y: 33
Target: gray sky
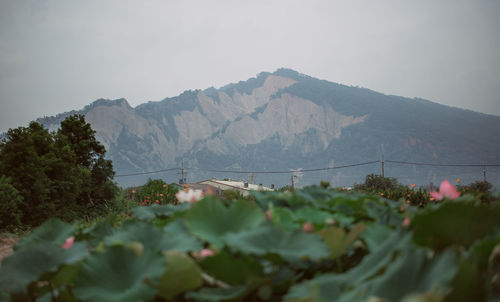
x: 61, y: 55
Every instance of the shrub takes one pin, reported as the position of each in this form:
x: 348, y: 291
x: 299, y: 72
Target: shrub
x: 154, y: 191
x: 378, y: 182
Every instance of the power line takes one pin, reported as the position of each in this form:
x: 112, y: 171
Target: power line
x: 316, y: 169
x: 440, y: 165
x: 289, y: 171
x: 144, y: 173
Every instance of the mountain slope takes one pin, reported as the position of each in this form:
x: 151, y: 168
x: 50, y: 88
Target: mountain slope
x: 286, y: 120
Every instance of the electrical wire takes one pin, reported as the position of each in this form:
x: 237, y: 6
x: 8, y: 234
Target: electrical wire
x: 289, y: 171
x: 441, y: 165
x: 315, y: 169
x: 144, y: 173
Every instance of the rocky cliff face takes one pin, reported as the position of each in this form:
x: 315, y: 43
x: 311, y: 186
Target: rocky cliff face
x: 284, y: 120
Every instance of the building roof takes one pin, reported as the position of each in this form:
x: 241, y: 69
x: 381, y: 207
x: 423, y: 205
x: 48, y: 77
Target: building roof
x: 237, y: 185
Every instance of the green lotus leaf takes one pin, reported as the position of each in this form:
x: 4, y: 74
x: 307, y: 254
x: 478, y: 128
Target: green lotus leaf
x: 350, y: 204
x: 277, y: 199
x: 209, y: 219
x: 216, y: 294
x: 468, y: 285
x: 414, y: 272
x: 270, y: 239
x: 313, y: 194
x: 29, y: 264
x: 119, y: 274
x: 97, y: 233
x: 285, y: 218
x: 342, y: 219
x: 148, y: 235
x: 182, y: 274
x: 158, y: 211
x: 233, y: 270
x: 375, y: 234
x: 4, y: 296
x: 313, y: 215
x: 384, y: 212
x: 454, y: 223
x: 327, y: 287
x: 51, y: 231
x: 174, y: 236
x: 391, y: 273
x: 480, y: 251
x: 338, y: 240
x: 319, y: 217
x: 179, y: 238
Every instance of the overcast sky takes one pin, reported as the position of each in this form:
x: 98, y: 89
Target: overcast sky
x: 56, y: 56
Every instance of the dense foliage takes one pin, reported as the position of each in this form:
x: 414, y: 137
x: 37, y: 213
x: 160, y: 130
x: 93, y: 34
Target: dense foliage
x: 389, y: 188
x: 55, y: 174
x: 154, y: 191
x: 9, y: 200
x: 316, y: 244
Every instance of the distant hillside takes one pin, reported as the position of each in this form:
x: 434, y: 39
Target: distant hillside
x: 286, y: 120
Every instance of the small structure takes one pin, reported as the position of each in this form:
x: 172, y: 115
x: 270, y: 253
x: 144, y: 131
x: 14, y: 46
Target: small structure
x: 218, y: 186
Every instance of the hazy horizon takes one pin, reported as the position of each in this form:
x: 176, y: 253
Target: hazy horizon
x: 60, y: 56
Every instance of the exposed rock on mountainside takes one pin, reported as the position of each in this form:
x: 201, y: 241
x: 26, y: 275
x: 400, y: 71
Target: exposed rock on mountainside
x: 286, y: 120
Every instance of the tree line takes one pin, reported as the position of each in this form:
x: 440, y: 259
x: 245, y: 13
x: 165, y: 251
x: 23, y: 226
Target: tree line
x: 60, y: 174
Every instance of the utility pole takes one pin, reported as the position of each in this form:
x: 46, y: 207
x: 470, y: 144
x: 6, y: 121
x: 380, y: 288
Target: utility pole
x: 182, y: 172
x: 292, y: 186
x: 484, y: 173
x: 383, y: 174
x: 382, y: 161
x: 182, y: 180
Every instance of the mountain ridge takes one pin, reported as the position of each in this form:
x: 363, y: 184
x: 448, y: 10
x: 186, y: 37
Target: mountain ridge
x: 286, y: 120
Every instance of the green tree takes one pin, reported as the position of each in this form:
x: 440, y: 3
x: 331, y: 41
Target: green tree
x: 10, y: 199
x: 95, y: 172
x: 26, y: 158
x: 61, y: 174
x: 80, y: 137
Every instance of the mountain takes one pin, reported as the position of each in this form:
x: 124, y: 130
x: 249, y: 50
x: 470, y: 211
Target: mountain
x: 286, y: 120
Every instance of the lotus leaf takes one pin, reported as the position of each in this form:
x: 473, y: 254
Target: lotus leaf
x: 269, y: 239
x: 119, y: 274
x: 209, y: 219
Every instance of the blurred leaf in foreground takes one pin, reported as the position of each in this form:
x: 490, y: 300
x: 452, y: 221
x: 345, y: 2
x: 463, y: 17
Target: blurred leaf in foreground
x: 209, y: 219
x: 119, y: 274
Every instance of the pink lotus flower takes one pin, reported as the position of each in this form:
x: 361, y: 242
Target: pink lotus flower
x: 69, y: 243
x: 189, y: 195
x: 406, y: 222
x: 269, y: 216
x: 307, y: 227
x: 446, y: 190
x: 203, y: 254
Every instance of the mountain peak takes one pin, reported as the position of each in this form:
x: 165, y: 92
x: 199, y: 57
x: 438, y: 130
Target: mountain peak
x: 290, y: 73
x: 106, y: 102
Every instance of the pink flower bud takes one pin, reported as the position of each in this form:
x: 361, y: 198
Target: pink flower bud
x: 308, y: 227
x: 406, y: 222
x: 69, y: 243
x: 203, y: 254
x: 269, y: 215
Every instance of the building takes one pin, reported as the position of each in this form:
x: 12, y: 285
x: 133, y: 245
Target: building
x: 219, y: 186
